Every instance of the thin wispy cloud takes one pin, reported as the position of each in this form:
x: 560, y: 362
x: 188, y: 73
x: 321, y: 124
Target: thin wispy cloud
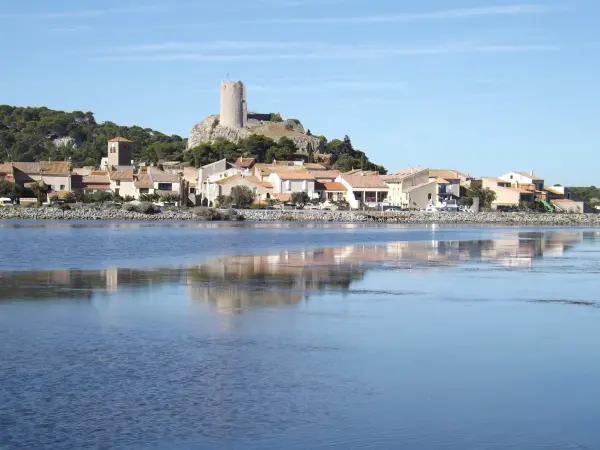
x: 86, y: 13
x: 438, y: 15
x: 320, y: 51
x: 71, y: 29
x: 219, y: 46
x: 308, y: 86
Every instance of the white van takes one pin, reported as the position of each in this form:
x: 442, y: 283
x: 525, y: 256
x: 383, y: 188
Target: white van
x: 5, y: 201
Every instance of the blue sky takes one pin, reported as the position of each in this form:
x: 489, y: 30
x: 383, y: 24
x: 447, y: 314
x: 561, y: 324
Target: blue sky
x: 479, y: 85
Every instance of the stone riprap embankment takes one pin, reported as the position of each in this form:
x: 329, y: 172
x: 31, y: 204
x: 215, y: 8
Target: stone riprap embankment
x: 592, y: 220
x: 541, y: 219
x: 90, y: 214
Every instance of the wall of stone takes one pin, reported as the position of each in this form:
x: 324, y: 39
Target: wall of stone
x: 232, y: 104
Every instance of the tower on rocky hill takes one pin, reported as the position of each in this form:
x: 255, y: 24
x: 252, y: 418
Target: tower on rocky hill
x: 234, y: 111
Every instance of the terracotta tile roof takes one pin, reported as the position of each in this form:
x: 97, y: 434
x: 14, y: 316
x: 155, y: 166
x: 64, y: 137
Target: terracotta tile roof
x: 440, y: 180
x: 295, y: 176
x: 402, y: 174
x: 265, y: 184
x: 82, y: 171
x: 244, y: 163
x: 55, y: 167
x: 448, y: 174
x: 365, y: 181
x: 143, y: 181
x: 314, y: 166
x: 283, y: 197
x: 330, y: 186
x: 119, y: 175
x: 229, y: 179
x: 363, y: 172
x: 158, y: 176
x: 333, y: 174
x: 418, y: 186
x: 119, y: 139
x: 96, y: 179
x: 27, y: 167
x: 528, y: 175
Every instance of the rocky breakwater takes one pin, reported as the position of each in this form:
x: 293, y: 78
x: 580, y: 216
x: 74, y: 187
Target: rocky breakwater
x: 592, y: 220
x: 99, y: 213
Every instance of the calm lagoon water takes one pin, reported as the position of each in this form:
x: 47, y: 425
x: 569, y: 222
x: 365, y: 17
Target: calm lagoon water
x: 181, y: 336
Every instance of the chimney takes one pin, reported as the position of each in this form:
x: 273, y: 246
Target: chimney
x: 531, y: 173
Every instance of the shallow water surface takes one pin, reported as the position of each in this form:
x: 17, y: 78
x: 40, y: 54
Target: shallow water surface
x: 370, y: 338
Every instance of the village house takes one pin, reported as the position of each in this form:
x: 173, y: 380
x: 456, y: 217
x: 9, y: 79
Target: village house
x: 122, y: 183
x: 290, y: 182
x: 517, y: 179
x: 324, y: 176
x: 364, y: 190
x: 164, y: 183
x: 411, y: 188
x: 452, y: 184
x: 331, y: 191
x: 96, y: 181
x: 143, y: 184
x: 262, y: 191
x: 244, y: 163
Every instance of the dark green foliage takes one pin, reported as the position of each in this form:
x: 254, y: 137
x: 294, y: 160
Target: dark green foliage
x: 265, y: 150
x: 486, y: 196
x: 299, y: 198
x: 27, y: 134
x: 146, y: 208
x: 70, y: 197
x: 98, y: 197
x: 589, y: 194
x: 241, y: 196
x: 154, y: 197
x: 10, y: 190
x: 276, y: 117
x: 345, y: 157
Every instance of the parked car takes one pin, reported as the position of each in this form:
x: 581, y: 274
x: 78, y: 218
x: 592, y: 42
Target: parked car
x: 393, y: 209
x: 5, y: 201
x: 311, y: 207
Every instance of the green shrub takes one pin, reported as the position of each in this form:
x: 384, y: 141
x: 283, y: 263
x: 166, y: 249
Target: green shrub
x: 129, y: 207
x: 146, y: 208
x: 64, y: 207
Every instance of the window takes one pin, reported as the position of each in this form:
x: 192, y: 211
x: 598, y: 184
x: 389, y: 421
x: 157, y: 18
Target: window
x: 428, y: 196
x: 62, y: 187
x: 511, y: 177
x: 118, y: 182
x: 165, y: 186
x: 144, y: 191
x: 192, y: 190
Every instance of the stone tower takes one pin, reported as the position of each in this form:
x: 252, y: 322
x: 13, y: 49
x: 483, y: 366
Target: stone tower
x: 120, y: 151
x: 234, y: 112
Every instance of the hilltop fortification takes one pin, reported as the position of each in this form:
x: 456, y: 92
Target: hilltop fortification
x: 235, y: 122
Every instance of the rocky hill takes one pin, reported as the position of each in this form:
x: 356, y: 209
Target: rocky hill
x: 210, y: 130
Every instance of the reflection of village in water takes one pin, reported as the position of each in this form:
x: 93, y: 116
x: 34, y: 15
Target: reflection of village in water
x: 235, y: 284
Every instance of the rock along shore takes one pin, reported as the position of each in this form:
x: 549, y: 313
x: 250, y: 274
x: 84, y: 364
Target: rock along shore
x: 541, y: 219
